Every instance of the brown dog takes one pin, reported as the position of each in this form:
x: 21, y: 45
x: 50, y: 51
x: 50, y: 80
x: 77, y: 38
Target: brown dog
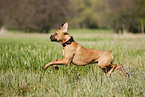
x: 75, y: 53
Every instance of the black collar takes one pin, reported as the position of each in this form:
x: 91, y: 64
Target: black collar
x: 68, y: 42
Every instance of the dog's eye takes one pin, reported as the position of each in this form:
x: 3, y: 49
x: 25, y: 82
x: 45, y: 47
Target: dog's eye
x: 65, y: 33
x: 55, y: 34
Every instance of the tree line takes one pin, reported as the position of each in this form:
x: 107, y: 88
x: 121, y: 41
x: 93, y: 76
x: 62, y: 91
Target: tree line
x: 42, y: 15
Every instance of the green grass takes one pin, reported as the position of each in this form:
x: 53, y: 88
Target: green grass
x: 23, y: 56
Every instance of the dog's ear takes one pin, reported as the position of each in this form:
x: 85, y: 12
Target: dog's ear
x: 61, y: 26
x: 64, y: 27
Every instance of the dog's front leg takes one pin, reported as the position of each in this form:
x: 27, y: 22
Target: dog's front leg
x: 57, y: 62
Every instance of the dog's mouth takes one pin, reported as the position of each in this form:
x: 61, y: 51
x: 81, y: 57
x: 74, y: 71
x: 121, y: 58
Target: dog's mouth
x: 52, y: 38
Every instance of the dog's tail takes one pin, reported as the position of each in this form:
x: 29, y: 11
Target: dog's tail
x: 110, y: 50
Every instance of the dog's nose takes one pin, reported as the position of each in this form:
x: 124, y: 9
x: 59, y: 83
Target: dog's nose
x: 51, y: 36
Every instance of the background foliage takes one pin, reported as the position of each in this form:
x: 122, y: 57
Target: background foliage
x: 42, y: 15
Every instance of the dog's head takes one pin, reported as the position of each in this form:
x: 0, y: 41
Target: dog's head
x: 61, y: 35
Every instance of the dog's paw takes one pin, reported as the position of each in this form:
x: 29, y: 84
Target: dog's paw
x: 57, y: 68
x: 128, y: 75
x: 45, y: 67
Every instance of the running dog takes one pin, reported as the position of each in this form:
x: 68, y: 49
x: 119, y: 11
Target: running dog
x: 74, y: 53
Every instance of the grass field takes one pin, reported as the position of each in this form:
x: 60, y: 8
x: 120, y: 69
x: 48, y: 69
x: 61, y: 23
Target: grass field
x: 23, y: 56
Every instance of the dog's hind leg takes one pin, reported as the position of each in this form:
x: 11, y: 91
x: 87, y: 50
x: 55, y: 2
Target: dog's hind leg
x: 104, y: 70
x: 113, y: 66
x: 56, y: 67
x: 122, y: 69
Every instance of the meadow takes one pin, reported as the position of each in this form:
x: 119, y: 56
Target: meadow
x: 23, y: 56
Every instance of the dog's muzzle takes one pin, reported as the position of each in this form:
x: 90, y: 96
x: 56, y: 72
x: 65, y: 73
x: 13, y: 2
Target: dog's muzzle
x: 52, y: 38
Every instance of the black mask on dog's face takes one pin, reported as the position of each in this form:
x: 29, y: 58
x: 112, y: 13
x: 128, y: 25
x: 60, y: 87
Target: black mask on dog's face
x: 61, y: 35
x: 52, y: 38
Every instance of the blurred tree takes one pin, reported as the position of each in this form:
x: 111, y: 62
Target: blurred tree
x: 33, y: 15
x: 124, y: 15
x: 42, y: 15
x: 141, y: 14
x: 119, y: 15
x: 84, y: 13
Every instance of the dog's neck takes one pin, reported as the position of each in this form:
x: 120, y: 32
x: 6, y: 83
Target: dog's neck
x: 68, y: 42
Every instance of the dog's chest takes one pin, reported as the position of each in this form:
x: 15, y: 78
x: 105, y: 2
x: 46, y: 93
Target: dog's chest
x: 63, y: 52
